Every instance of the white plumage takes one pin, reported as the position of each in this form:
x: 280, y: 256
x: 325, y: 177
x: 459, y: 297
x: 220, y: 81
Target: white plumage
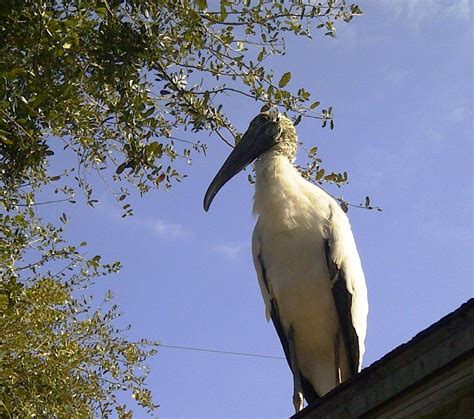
x: 306, y: 260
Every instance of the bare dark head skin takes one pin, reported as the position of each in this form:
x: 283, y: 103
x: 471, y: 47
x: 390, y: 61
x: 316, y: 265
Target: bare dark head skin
x: 261, y: 135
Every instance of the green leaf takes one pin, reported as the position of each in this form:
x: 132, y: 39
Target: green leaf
x: 155, y: 148
x: 284, y: 80
x: 202, y: 4
x: 149, y: 112
x: 314, y: 105
x: 3, y: 302
x: 121, y: 168
x: 5, y: 140
x: 223, y: 11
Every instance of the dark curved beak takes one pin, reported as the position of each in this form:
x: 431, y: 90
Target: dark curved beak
x: 258, y: 139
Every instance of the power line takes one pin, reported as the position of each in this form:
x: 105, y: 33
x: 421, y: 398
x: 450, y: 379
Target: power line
x: 188, y: 348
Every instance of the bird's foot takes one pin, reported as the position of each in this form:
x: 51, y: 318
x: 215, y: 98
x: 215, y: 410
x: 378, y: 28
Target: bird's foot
x: 298, y: 401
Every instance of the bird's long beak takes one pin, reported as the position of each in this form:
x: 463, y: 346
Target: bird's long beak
x: 258, y: 139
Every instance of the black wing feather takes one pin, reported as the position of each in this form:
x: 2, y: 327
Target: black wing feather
x: 275, y: 316
x: 343, y: 301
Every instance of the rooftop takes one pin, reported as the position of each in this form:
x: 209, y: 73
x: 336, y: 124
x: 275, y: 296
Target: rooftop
x: 433, y: 370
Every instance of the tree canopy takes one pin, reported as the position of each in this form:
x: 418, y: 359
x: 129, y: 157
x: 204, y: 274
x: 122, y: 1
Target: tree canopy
x: 126, y: 87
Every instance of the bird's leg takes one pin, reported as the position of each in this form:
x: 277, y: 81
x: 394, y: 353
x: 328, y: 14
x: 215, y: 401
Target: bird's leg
x: 337, y: 359
x: 298, y: 400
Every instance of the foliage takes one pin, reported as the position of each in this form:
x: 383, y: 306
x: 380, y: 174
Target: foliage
x: 60, y: 356
x: 110, y: 81
x: 127, y: 86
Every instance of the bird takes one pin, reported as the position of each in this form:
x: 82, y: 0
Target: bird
x: 305, y: 256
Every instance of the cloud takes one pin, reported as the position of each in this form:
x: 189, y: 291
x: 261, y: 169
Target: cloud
x: 420, y: 11
x: 157, y: 226
x: 168, y: 230
x: 458, y: 114
x: 230, y: 251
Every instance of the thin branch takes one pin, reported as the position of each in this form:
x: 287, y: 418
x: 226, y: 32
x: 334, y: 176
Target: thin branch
x: 360, y: 206
x: 46, y: 202
x: 197, y: 144
x: 17, y: 124
x: 78, y: 259
x: 6, y: 409
x: 225, y: 89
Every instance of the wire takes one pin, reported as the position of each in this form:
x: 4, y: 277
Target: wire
x: 187, y: 348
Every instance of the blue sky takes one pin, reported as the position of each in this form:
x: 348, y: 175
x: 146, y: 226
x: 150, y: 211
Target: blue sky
x: 400, y: 81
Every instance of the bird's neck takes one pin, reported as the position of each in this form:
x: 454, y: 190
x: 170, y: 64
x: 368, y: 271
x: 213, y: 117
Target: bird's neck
x: 276, y: 186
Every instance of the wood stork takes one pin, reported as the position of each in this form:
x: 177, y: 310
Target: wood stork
x: 306, y: 260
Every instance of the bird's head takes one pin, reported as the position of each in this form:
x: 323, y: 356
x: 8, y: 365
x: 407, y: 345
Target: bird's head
x: 267, y: 131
